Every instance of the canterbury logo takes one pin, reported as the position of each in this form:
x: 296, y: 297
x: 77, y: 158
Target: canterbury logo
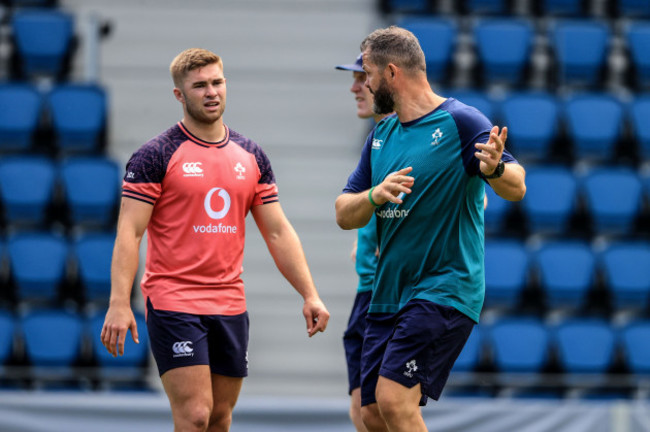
x: 208, y: 205
x: 183, y: 349
x: 192, y: 169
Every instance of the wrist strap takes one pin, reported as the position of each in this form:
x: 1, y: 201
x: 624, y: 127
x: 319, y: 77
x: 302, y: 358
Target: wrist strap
x: 370, y: 197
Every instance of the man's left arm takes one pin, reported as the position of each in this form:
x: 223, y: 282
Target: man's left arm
x: 287, y: 252
x: 511, y: 184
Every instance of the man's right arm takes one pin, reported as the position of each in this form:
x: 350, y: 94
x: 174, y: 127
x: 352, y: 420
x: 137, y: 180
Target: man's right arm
x: 132, y: 223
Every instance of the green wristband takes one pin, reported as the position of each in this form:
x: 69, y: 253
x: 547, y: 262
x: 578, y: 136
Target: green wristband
x: 370, y: 197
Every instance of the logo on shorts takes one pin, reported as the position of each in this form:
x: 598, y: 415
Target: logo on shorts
x: 410, y: 368
x: 183, y: 349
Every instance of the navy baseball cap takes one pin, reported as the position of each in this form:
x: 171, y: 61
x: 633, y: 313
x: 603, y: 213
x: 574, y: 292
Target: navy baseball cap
x: 355, y: 67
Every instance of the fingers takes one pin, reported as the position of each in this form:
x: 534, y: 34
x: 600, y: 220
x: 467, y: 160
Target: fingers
x: 317, y: 320
x: 134, y: 333
x: 395, y: 186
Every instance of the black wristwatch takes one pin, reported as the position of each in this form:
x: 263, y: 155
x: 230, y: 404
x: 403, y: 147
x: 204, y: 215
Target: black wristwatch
x: 498, y: 172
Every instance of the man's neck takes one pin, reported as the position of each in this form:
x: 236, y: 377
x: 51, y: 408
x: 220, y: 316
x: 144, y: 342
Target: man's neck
x: 416, y: 101
x: 212, y: 132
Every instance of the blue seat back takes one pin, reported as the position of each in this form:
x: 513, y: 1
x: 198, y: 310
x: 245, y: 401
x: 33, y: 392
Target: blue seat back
x: 532, y: 121
x: 93, y: 253
x: 52, y: 337
x: 639, y: 115
x: 7, y: 333
x: 496, y: 212
x: 562, y: 7
x: 91, y: 187
x: 485, y: 7
x: 634, y: 8
x: 566, y: 271
x: 43, y: 40
x: 636, y: 349
x: 594, y: 125
x: 37, y: 264
x: 613, y: 197
x: 78, y: 116
x: 585, y: 345
x: 581, y: 50
x: 18, y: 124
x: 506, y: 272
x: 627, y: 273
x: 550, y: 201
x: 519, y: 344
x: 638, y: 42
x: 27, y: 186
x: 504, y: 48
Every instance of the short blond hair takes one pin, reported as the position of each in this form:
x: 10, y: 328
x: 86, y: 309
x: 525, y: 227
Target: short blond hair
x: 190, y: 59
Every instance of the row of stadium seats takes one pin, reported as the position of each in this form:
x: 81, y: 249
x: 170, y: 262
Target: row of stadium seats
x: 592, y: 127
x: 610, y: 201
x: 568, y: 275
x: 76, y: 114
x: 47, y: 347
x: 551, y: 358
x: 43, y: 268
x: 86, y: 188
x: 572, y: 53
x: 548, y: 8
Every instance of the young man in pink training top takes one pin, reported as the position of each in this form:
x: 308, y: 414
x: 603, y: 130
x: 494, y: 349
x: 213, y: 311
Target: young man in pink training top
x: 191, y: 188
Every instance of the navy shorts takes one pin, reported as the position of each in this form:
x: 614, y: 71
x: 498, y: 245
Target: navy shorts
x: 181, y: 339
x: 418, y: 344
x: 353, y: 338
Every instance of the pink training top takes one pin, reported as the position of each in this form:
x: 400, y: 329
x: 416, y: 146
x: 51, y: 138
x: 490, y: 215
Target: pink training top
x: 201, y: 193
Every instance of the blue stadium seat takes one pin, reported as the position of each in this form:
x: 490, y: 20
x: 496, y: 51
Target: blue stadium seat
x: 567, y: 272
x: 634, y: 338
x: 43, y: 41
x: 7, y: 333
x: 532, y: 121
x: 135, y: 355
x: 496, y: 213
x: 52, y: 337
x: 626, y: 270
x: 27, y: 185
x: 91, y: 187
x: 562, y: 7
x: 93, y: 253
x: 585, y: 345
x: 476, y: 98
x: 519, y: 344
x: 634, y: 8
x: 638, y: 42
x: 79, y: 114
x: 580, y: 51
x: 551, y: 196
x: 38, y: 265
x: 506, y: 272
x: 594, y: 125
x: 504, y: 47
x: 486, y: 7
x: 437, y: 38
x: 639, y: 115
x: 613, y: 197
x: 470, y: 356
x: 19, y: 124
x: 408, y: 6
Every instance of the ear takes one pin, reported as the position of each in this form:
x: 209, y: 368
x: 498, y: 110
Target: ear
x: 178, y: 95
x: 392, y: 69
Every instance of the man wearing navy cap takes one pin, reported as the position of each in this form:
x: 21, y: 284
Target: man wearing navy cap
x: 364, y: 254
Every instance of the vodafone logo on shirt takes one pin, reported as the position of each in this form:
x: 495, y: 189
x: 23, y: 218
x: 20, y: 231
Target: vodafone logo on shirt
x: 216, y: 214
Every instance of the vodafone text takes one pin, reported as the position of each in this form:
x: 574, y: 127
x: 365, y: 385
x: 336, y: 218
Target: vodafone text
x: 216, y: 229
